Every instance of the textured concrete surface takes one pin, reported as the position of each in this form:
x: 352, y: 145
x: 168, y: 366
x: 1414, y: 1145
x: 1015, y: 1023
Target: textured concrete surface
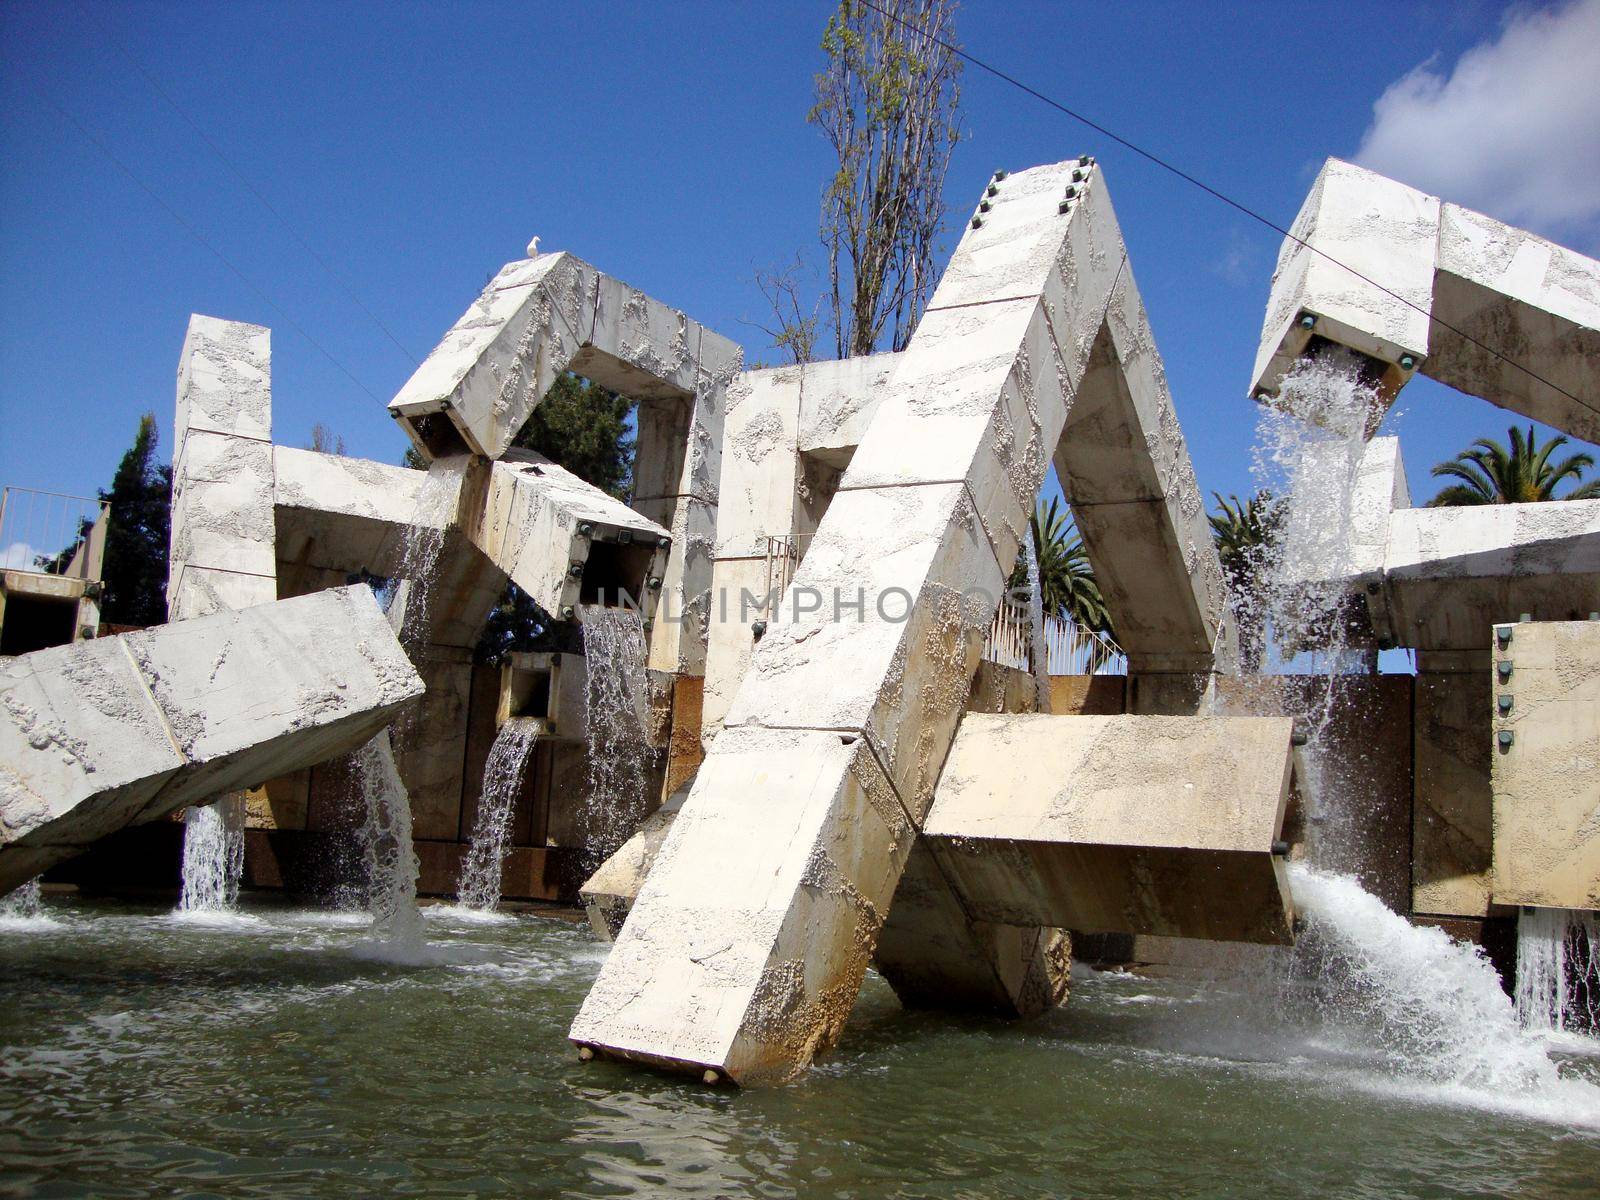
x: 542, y: 316
x: 1547, y: 779
x: 222, y: 533
x: 126, y: 729
x: 561, y: 540
x: 749, y: 981
x: 1417, y: 284
x: 1452, y: 807
x: 1159, y: 825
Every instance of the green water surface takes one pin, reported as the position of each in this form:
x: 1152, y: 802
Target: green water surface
x: 143, y: 1057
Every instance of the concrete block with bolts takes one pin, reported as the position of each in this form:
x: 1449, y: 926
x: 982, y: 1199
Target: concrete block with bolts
x: 1545, y: 764
x: 1414, y: 284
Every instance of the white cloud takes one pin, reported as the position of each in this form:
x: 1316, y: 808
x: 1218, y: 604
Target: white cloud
x: 19, y: 556
x: 1512, y: 130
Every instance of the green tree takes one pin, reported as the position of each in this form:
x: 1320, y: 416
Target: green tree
x: 1243, y: 533
x: 889, y: 105
x: 135, y: 565
x: 1066, y: 579
x: 1491, y: 474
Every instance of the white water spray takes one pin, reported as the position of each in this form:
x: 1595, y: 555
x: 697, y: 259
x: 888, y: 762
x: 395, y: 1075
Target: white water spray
x: 491, y: 832
x: 1308, y: 453
x: 1558, y: 970
x: 391, y: 859
x: 213, y: 856
x: 1433, y: 1007
x: 615, y: 703
x: 23, y: 903
x: 424, y: 539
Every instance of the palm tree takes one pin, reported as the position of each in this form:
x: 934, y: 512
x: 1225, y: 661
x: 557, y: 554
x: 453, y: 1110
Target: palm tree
x: 1490, y: 474
x: 1243, y: 531
x: 1066, y: 579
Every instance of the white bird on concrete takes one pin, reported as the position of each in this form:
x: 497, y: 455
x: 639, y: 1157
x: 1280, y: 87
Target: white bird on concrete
x: 533, y: 248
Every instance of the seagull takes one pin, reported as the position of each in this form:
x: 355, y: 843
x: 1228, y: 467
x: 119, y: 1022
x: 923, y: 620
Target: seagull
x: 533, y: 248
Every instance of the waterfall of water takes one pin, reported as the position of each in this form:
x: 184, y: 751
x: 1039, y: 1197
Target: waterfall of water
x: 1308, y: 454
x: 615, y: 703
x: 1558, y: 962
x: 213, y: 856
x: 1039, y: 651
x: 424, y: 539
x: 23, y: 903
x: 491, y: 833
x: 391, y: 859
x: 1433, y: 1006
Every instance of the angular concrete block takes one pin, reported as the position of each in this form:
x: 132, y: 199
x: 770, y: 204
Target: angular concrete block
x: 921, y: 536
x: 767, y: 961
x: 536, y: 319
x: 561, y: 540
x: 1160, y: 825
x: 121, y: 730
x: 1545, y: 768
x: 1419, y: 285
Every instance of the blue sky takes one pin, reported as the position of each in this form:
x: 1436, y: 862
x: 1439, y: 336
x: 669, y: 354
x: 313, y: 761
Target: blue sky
x: 417, y: 147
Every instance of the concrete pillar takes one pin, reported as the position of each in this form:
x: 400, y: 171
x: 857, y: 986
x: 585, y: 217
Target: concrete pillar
x: 222, y: 533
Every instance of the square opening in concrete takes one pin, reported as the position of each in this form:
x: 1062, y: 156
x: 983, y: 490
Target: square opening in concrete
x: 616, y: 572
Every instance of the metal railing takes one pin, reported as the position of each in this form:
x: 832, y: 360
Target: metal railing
x: 1069, y: 648
x: 52, y: 533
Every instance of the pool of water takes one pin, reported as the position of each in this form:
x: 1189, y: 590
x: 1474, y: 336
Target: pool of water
x: 279, y: 1055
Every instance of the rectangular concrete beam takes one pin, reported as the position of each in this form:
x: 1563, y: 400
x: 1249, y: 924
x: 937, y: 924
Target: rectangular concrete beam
x: 122, y: 730
x: 1415, y: 284
x: 1545, y: 768
x: 1158, y: 825
x: 222, y: 532
x: 561, y: 540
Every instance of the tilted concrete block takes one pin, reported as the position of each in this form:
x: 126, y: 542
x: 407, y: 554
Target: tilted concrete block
x: 769, y: 960
x: 1414, y: 284
x: 537, y: 318
x: 1161, y: 825
x: 561, y: 540
x: 126, y: 729
x: 1545, y: 768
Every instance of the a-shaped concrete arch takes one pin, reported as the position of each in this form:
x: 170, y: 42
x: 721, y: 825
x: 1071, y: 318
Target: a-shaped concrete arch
x: 747, y: 944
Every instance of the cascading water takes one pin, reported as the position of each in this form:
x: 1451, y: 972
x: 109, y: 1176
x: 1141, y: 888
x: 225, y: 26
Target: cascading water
x: 1431, y: 1005
x: 213, y: 856
x: 391, y: 859
x: 424, y: 539
x: 1308, y: 454
x: 491, y: 833
x: 1558, y: 961
x: 615, y: 702
x: 23, y: 903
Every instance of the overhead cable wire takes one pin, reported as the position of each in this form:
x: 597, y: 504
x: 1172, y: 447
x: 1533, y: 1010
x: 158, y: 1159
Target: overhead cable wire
x: 1156, y: 159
